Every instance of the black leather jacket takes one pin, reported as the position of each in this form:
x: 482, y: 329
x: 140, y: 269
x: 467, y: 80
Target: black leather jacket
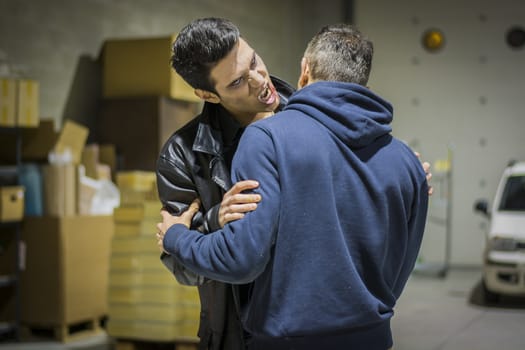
x: 191, y: 164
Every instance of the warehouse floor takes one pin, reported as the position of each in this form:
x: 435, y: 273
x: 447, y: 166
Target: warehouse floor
x: 433, y: 314
x: 447, y: 314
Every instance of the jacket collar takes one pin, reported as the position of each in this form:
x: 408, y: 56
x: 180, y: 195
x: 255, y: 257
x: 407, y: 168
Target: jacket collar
x: 209, y: 138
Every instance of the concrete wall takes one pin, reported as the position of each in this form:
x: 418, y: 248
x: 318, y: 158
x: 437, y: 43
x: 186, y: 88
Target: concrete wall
x: 468, y: 98
x: 57, y: 41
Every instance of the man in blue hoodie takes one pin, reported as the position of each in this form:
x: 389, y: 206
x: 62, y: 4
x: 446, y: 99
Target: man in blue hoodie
x: 336, y: 235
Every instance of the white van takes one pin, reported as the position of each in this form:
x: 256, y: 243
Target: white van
x: 504, y: 256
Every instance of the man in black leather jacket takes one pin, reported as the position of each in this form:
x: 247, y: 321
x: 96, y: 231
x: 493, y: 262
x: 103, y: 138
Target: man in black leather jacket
x: 195, y: 161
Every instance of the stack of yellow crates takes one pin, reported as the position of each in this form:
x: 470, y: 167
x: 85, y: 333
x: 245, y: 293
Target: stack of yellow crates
x: 145, y: 300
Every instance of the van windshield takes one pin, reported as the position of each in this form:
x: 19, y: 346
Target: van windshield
x: 513, y: 197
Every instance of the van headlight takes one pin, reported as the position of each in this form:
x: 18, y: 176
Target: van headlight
x: 503, y: 244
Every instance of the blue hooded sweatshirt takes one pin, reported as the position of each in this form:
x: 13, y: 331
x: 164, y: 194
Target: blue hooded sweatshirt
x: 333, y: 241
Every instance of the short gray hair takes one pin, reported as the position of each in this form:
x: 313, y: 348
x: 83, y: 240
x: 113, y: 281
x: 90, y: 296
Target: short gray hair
x: 340, y: 52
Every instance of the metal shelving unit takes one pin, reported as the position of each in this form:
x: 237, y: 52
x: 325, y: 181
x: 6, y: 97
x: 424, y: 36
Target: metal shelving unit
x: 440, y: 214
x: 11, y: 328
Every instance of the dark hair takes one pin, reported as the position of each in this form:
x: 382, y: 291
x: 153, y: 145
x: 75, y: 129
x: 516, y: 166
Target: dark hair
x: 340, y: 52
x: 199, y: 47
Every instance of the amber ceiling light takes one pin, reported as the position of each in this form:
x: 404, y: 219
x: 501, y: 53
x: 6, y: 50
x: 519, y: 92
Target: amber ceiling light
x: 433, y: 40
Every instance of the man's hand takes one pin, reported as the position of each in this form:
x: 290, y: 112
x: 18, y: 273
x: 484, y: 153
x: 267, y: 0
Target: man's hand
x: 426, y: 168
x: 169, y: 220
x: 235, y: 203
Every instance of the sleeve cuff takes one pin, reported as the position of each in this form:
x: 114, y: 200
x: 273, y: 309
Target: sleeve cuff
x: 170, y: 238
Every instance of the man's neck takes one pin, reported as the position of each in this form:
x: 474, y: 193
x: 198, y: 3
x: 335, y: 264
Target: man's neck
x: 262, y: 115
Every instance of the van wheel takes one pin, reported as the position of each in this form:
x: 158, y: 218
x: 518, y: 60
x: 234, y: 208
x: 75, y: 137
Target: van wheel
x: 488, y: 296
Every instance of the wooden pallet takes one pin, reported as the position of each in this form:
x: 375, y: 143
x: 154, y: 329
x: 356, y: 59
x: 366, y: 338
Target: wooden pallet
x: 63, y: 332
x: 125, y: 344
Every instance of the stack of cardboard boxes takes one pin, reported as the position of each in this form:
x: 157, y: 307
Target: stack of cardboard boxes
x: 144, y: 100
x: 63, y: 258
x: 19, y: 110
x: 19, y: 102
x: 66, y: 275
x: 145, y: 300
x: 64, y: 279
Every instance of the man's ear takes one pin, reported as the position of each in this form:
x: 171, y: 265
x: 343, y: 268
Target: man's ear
x: 304, y: 78
x: 207, y: 96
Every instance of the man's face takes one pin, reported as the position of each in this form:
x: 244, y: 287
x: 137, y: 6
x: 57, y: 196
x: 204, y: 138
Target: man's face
x: 243, y: 84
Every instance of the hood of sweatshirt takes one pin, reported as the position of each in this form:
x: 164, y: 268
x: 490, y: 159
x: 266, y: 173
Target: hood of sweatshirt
x: 353, y: 113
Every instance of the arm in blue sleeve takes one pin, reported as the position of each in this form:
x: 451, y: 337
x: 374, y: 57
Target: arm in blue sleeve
x: 240, y: 251
x: 416, y: 228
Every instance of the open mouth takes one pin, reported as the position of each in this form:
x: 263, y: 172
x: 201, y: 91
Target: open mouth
x: 267, y: 95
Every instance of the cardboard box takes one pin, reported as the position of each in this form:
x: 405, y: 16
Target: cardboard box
x: 139, y: 181
x: 148, y: 209
x: 38, y: 142
x: 145, y: 227
x: 19, y: 102
x: 7, y: 102
x: 148, y: 122
x: 72, y: 137
x: 60, y: 189
x: 108, y: 155
x: 28, y: 103
x: 91, y: 160
x: 11, y: 203
x: 140, y: 67
x: 66, y: 269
